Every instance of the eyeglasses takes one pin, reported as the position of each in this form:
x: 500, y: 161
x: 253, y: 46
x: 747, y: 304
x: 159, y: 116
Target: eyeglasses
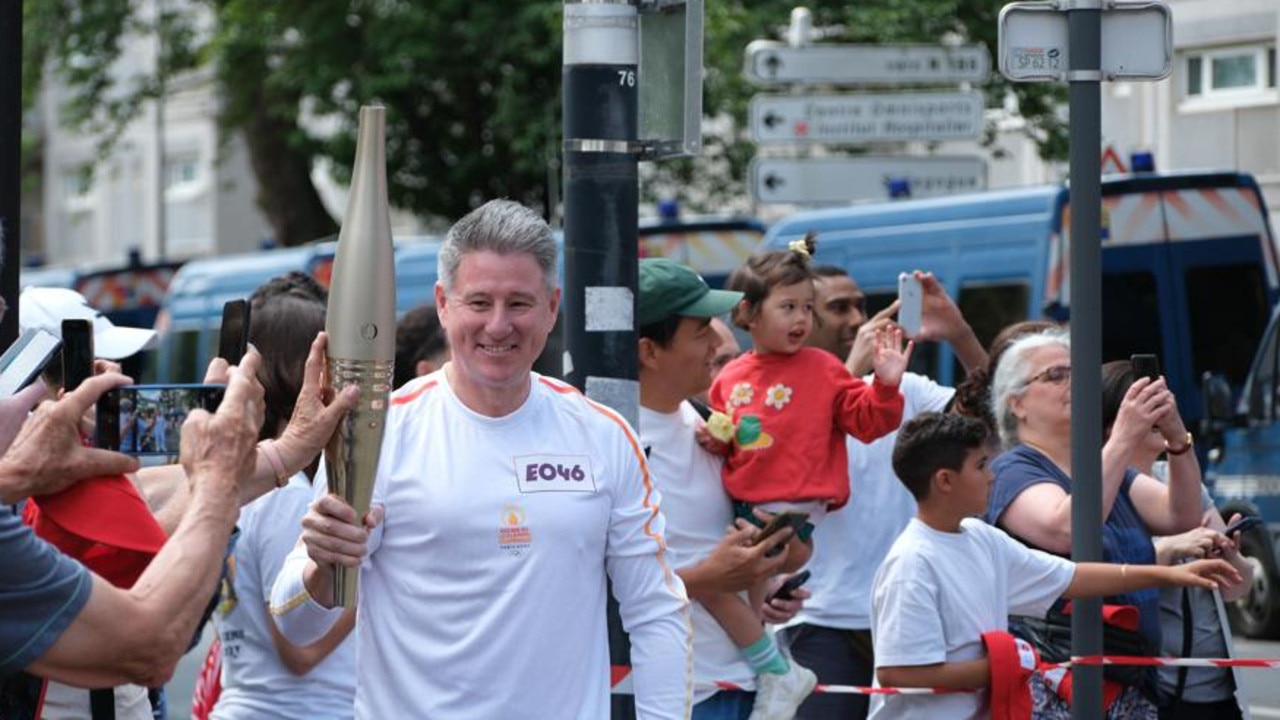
x: 1054, y: 375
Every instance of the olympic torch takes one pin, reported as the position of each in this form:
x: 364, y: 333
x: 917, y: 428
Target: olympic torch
x: 361, y: 326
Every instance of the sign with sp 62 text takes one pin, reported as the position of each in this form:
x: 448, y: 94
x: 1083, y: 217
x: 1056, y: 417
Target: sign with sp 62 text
x: 1137, y: 41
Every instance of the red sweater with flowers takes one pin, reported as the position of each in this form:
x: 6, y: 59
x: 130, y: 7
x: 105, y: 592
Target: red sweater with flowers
x: 806, y: 402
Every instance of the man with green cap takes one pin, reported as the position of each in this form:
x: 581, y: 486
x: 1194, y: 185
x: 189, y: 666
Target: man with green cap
x: 676, y: 347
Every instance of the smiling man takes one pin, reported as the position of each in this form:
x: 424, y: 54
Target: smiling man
x: 504, y: 498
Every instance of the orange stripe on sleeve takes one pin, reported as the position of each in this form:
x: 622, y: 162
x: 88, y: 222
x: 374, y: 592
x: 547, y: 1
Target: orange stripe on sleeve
x: 404, y: 399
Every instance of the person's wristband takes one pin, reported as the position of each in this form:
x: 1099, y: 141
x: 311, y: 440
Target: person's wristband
x: 1175, y: 451
x: 272, y: 454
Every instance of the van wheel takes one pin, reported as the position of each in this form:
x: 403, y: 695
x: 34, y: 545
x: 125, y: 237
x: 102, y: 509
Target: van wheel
x: 1257, y: 613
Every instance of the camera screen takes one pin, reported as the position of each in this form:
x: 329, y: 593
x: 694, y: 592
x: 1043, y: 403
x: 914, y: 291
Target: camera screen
x: 150, y: 417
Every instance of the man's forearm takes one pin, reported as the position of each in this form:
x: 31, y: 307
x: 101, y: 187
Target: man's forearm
x: 138, y: 635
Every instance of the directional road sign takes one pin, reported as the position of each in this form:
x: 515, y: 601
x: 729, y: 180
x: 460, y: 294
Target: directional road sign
x: 1137, y: 41
x: 866, y: 118
x: 770, y: 62
x: 832, y: 180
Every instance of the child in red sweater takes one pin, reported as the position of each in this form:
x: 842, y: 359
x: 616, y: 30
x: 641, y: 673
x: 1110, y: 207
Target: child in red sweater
x: 782, y: 412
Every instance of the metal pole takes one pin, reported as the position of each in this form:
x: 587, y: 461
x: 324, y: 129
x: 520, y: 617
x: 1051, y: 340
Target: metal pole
x: 162, y: 220
x: 1084, y: 27
x: 601, y: 215
x: 10, y: 163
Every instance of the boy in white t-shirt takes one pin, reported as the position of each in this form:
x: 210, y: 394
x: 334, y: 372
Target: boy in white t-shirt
x: 950, y: 577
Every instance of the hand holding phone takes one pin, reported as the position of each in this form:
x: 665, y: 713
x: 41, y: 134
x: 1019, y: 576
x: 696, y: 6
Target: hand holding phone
x: 1244, y: 523
x: 233, y: 337
x: 910, y: 304
x: 25, y: 359
x: 793, y: 519
x: 1145, y: 365
x: 77, y: 353
x: 789, y: 586
x: 146, y: 419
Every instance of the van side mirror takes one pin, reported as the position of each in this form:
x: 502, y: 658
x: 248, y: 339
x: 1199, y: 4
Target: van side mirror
x: 1216, y: 394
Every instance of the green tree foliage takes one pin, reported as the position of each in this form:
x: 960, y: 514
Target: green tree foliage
x: 471, y: 86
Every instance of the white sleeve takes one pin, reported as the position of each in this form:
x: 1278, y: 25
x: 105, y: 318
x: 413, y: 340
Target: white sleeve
x: 651, y: 598
x: 300, y: 618
x: 906, y: 622
x: 1036, y: 578
x: 922, y: 394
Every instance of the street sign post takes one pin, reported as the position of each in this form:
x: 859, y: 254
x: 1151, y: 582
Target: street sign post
x: 840, y: 119
x: 840, y: 180
x: 1137, y: 41
x: 771, y: 62
x: 1085, y: 42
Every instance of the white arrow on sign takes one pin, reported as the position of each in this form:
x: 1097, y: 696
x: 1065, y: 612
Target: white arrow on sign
x: 834, y: 180
x: 769, y: 61
x: 866, y: 118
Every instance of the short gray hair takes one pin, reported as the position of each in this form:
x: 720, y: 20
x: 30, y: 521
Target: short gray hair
x: 1011, y: 378
x: 504, y: 227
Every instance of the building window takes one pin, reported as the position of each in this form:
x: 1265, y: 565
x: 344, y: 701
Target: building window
x: 180, y: 171
x: 1230, y: 72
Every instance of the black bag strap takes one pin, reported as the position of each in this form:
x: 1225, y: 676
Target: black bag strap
x: 102, y: 704
x: 1186, y: 646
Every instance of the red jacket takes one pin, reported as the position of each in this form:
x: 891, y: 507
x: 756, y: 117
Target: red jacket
x: 806, y: 404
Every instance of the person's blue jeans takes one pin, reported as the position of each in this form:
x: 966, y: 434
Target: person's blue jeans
x: 725, y: 705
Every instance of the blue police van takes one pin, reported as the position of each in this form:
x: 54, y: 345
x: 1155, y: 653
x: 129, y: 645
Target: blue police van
x: 1189, y: 265
x: 188, y: 321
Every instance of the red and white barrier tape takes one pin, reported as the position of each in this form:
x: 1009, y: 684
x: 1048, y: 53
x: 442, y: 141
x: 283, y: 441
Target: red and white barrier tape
x: 622, y: 685
x: 1170, y: 662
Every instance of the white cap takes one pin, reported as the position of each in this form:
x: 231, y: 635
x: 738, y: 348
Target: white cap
x: 47, y: 307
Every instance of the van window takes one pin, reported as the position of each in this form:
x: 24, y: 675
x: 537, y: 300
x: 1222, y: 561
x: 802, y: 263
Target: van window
x: 184, y: 357
x: 1137, y: 329
x: 1227, y: 307
x: 1262, y: 385
x: 989, y: 307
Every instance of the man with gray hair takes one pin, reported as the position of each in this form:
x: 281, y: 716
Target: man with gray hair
x: 502, y: 499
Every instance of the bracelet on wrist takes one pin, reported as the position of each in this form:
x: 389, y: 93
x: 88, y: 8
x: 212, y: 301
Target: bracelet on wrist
x: 272, y: 454
x: 1175, y: 451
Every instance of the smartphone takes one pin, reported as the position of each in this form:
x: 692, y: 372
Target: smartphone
x: 77, y: 353
x: 789, y: 586
x: 25, y: 359
x: 1145, y: 365
x: 233, y: 337
x: 1244, y: 523
x: 910, y: 304
x: 793, y: 519
x: 146, y: 419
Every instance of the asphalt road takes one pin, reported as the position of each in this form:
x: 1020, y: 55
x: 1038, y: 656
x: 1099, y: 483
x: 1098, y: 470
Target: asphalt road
x: 1262, y: 686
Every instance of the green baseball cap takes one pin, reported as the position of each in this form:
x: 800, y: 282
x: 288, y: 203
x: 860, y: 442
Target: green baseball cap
x: 668, y: 288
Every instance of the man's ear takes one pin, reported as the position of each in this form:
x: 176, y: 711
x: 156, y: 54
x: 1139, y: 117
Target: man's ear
x: 647, y: 353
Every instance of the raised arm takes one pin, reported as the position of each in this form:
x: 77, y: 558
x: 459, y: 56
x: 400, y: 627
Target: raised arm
x: 942, y: 320
x: 138, y: 635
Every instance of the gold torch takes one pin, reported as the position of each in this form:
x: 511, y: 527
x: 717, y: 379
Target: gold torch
x: 361, y: 323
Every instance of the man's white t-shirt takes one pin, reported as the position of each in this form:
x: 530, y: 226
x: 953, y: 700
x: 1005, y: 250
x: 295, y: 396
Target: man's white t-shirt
x: 698, y: 513
x: 255, y: 682
x: 483, y: 592
x: 938, y: 592
x: 848, y: 545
